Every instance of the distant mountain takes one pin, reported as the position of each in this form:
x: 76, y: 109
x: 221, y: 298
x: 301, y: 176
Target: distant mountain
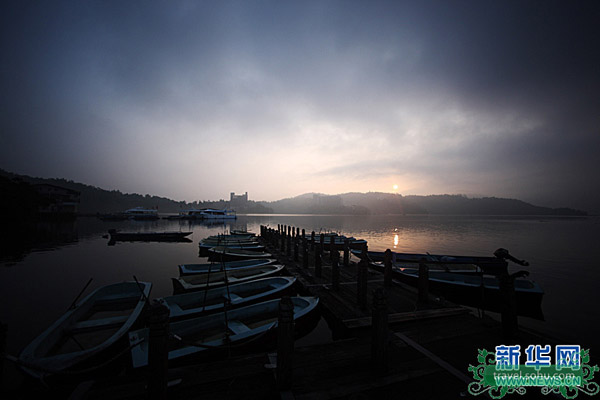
x: 388, y: 203
x: 97, y: 200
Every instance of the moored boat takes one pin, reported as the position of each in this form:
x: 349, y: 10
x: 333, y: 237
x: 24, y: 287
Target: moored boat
x: 479, y: 291
x: 216, y: 279
x: 141, y: 213
x: 191, y: 269
x: 201, y: 337
x: 148, y: 236
x: 88, y: 333
x: 193, y: 304
x: 226, y: 254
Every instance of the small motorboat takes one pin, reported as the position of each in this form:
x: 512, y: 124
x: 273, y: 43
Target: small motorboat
x: 88, y: 333
x: 198, y: 338
x: 191, y: 269
x: 216, y: 279
x: 194, y: 304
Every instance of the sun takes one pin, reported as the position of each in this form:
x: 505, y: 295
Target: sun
x: 395, y: 187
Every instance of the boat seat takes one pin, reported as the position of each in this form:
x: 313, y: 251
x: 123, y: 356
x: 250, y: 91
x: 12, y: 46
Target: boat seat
x: 97, y: 324
x: 237, y: 327
x: 232, y: 296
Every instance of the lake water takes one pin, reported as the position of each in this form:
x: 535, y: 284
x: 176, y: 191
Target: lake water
x: 47, y: 265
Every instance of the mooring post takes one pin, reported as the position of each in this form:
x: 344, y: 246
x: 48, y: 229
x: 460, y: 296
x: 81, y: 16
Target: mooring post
x: 364, y: 253
x: 332, y: 249
x: 298, y: 232
x: 387, y: 272
x: 312, y: 240
x: 304, y: 254
x: 346, y: 252
x: 361, y: 289
x: 288, y: 250
x: 289, y: 230
x: 508, y: 313
x: 303, y: 234
x: 285, y: 343
x: 318, y: 260
x: 158, y: 323
x: 423, y: 283
x: 335, y: 270
x: 296, y: 249
x: 380, y: 334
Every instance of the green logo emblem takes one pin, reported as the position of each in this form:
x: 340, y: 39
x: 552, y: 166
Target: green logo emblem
x: 500, y: 373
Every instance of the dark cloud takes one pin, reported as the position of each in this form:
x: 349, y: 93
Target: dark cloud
x: 484, y: 97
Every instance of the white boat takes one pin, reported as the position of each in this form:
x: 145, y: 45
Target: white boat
x: 192, y: 269
x: 200, y: 337
x: 222, y: 253
x: 212, y: 213
x: 216, y: 279
x: 141, y: 213
x: 194, y: 304
x: 94, y: 327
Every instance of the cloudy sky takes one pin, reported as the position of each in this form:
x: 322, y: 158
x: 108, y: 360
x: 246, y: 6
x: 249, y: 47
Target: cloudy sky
x: 195, y: 99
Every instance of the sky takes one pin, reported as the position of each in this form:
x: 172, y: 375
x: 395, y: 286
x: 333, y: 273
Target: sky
x: 192, y: 100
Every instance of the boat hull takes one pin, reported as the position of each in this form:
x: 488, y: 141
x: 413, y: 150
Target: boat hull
x: 81, y: 339
x: 248, y: 328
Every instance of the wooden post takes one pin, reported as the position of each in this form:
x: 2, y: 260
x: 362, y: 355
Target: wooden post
x: 296, y: 249
x: 312, y: 240
x: 508, y: 313
x: 322, y: 241
x: 318, y: 260
x: 303, y: 234
x: 298, y: 232
x: 335, y: 270
x: 364, y: 254
x: 387, y: 272
x: 346, y: 252
x: 288, y: 250
x: 285, y: 343
x: 361, y: 289
x: 380, y: 334
x: 283, y: 240
x: 423, y: 283
x: 305, y: 254
x: 158, y: 323
x: 289, y: 230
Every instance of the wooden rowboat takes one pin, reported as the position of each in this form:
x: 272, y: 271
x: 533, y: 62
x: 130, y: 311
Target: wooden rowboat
x: 192, y: 269
x: 88, y: 332
x: 197, y: 338
x: 216, y: 279
x: 194, y: 304
x: 226, y: 254
x: 479, y: 291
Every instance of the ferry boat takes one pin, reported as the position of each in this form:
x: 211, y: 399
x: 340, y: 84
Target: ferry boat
x: 212, y: 213
x: 141, y: 213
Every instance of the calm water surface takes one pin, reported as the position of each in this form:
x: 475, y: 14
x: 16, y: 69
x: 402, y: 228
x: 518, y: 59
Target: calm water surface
x: 43, y: 273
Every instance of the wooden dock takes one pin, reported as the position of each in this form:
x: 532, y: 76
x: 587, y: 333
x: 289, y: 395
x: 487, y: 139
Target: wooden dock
x: 391, y: 342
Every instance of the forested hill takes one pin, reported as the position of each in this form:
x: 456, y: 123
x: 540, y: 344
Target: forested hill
x: 96, y: 200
